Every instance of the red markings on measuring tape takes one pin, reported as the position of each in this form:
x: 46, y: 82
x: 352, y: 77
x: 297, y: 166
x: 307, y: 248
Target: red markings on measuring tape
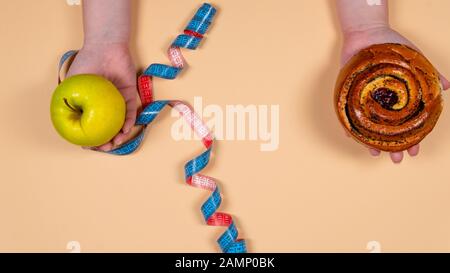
x: 193, y: 33
x: 145, y: 90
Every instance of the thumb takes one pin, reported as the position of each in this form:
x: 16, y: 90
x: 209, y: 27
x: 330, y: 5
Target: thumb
x: 444, y: 81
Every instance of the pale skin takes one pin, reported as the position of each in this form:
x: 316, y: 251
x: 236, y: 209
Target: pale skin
x: 105, y: 52
x: 363, y: 25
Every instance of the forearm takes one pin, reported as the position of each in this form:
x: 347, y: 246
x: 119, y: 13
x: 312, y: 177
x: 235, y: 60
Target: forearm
x: 358, y: 15
x: 106, y: 21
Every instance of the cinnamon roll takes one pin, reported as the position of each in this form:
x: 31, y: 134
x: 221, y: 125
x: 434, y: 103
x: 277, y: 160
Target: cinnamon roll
x: 388, y: 97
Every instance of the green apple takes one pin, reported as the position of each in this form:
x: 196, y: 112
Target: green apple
x: 87, y: 110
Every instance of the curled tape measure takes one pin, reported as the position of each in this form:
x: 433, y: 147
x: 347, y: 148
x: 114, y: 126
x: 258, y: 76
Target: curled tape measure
x: 190, y: 39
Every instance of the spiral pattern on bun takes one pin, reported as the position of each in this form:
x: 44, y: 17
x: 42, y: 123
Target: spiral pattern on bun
x: 388, y: 97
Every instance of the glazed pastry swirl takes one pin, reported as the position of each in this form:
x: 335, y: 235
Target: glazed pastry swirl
x: 388, y: 97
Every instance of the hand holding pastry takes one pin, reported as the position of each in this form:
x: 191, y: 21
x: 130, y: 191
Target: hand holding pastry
x: 364, y: 25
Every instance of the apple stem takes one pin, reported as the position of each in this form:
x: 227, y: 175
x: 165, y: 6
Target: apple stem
x: 71, y: 107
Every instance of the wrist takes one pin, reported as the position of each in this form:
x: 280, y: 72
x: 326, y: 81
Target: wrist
x: 106, y: 38
x: 105, y: 46
x: 365, y: 29
x: 107, y: 21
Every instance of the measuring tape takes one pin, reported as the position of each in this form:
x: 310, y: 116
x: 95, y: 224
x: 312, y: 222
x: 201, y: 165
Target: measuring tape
x: 190, y: 39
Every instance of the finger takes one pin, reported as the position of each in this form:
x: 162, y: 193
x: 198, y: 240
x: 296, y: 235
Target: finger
x: 397, y: 157
x: 445, y: 82
x: 129, y: 123
x: 374, y: 152
x: 124, y: 135
x: 105, y: 147
x: 130, y: 118
x: 414, y: 150
x: 120, y: 138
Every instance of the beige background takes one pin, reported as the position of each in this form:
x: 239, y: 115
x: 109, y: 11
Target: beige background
x: 320, y: 191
